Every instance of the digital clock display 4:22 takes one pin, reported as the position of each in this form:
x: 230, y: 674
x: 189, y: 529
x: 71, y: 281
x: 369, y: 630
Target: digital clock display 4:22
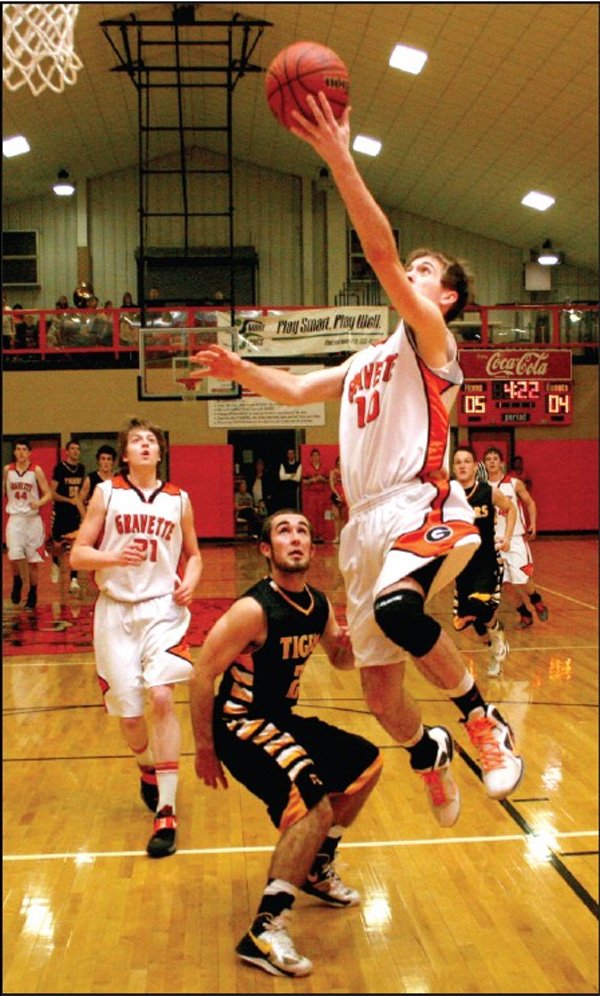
x: 524, y: 401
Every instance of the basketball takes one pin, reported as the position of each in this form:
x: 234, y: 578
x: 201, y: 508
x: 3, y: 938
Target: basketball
x: 305, y: 68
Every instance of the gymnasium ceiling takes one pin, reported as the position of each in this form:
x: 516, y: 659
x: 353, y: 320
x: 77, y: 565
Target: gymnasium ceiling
x: 507, y: 103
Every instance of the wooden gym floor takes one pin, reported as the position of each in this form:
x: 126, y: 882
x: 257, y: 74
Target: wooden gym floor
x: 504, y: 902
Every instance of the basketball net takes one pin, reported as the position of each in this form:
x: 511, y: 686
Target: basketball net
x: 187, y: 388
x: 38, y: 46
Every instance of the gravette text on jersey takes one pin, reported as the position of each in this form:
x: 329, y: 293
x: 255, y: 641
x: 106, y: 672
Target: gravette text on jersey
x: 371, y: 374
x: 153, y: 525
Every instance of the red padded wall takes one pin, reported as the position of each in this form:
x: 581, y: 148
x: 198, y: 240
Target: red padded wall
x: 206, y: 473
x: 564, y: 476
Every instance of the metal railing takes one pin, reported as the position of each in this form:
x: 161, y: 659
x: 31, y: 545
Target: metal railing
x: 78, y: 337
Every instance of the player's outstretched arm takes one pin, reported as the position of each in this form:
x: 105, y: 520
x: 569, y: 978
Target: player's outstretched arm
x: 271, y: 382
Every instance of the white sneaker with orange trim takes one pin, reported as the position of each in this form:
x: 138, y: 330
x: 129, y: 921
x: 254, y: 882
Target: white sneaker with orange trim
x: 442, y: 790
x: 501, y: 767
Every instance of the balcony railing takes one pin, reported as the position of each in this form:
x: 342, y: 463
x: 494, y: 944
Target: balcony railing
x: 81, y: 338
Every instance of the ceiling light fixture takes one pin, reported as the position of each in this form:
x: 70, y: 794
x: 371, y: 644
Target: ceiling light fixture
x: 548, y: 256
x: 63, y: 187
x: 15, y: 146
x: 370, y: 146
x: 409, y: 60
x: 541, y: 202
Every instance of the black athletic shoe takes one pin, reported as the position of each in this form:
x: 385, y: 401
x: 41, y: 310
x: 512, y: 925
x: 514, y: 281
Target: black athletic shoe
x: 15, y: 595
x: 149, y: 788
x: 162, y: 842
x: 31, y: 599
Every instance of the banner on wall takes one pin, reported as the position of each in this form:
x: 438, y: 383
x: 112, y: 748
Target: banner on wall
x: 253, y: 412
x: 309, y: 332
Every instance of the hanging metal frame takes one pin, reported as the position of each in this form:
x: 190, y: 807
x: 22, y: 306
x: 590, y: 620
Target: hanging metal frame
x: 233, y: 43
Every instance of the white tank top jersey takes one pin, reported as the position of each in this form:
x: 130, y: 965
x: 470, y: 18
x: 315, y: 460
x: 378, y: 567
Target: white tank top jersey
x: 154, y: 524
x: 507, y: 487
x: 21, y: 490
x: 395, y: 416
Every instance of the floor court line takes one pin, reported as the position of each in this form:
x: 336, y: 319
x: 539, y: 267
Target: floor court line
x: 559, y: 594
x: 88, y: 856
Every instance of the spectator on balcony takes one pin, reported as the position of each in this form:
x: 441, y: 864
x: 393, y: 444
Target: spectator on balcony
x: 127, y: 301
x: 62, y: 303
x: 26, y: 330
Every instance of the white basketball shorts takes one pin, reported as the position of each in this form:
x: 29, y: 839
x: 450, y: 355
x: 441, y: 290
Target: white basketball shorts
x: 139, y: 645
x: 390, y: 537
x: 25, y: 538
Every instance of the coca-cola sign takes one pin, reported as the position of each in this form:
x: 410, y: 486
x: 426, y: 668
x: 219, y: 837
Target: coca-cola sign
x: 508, y: 364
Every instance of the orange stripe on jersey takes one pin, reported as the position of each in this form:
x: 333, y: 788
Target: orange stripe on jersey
x: 182, y: 650
x: 119, y: 483
x: 171, y: 489
x: 439, y: 422
x: 278, y: 741
x: 245, y: 729
x: 435, y: 537
x: 294, y: 811
x: 104, y: 687
x: 363, y: 779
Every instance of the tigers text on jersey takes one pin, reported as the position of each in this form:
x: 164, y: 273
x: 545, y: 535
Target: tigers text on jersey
x: 266, y: 681
x: 481, y: 500
x: 21, y: 490
x: 69, y: 480
x: 154, y: 525
x: 395, y: 416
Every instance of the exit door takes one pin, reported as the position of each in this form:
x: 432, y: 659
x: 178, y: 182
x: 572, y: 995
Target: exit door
x: 481, y: 440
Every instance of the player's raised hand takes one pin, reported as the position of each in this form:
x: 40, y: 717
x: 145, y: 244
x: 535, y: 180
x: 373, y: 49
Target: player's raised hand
x: 215, y: 361
x: 329, y: 137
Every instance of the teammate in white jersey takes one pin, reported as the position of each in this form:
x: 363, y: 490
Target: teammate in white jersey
x: 26, y: 488
x: 518, y: 560
x: 410, y: 529
x: 134, y: 533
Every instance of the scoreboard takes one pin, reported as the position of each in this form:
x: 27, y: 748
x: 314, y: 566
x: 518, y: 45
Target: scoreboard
x: 516, y: 387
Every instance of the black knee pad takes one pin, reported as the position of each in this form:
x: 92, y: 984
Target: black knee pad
x: 401, y: 617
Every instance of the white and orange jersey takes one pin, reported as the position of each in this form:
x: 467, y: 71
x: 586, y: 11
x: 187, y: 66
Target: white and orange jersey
x: 153, y: 522
x: 507, y: 487
x: 21, y: 489
x: 395, y: 416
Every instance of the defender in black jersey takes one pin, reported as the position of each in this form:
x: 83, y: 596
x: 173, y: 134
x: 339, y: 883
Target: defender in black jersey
x: 477, y: 587
x: 68, y: 511
x: 313, y: 777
